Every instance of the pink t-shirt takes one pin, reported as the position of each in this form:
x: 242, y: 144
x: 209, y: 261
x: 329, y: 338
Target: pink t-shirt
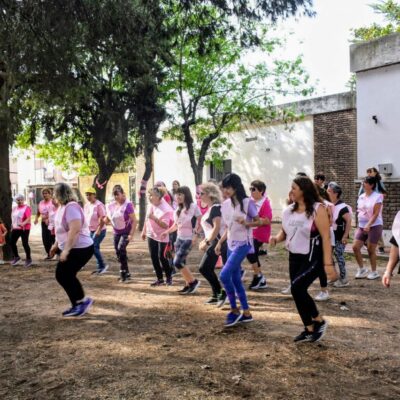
x: 263, y: 233
x: 65, y: 214
x: 164, y: 212
x: 184, y: 221
x: 93, y: 212
x: 365, y: 209
x: 19, y: 215
x: 45, y: 207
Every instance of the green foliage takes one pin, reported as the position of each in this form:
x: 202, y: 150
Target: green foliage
x: 390, y: 9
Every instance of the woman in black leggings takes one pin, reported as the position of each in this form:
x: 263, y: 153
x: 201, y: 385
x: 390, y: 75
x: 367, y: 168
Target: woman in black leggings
x: 211, y: 224
x: 306, y: 230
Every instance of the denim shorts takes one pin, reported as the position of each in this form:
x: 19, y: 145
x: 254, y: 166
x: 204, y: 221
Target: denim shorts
x: 182, y: 249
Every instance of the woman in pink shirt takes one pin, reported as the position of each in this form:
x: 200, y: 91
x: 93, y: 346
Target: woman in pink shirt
x: 95, y: 212
x: 44, y: 208
x: 261, y: 233
x: 158, y: 219
x: 21, y: 227
x: 76, y: 246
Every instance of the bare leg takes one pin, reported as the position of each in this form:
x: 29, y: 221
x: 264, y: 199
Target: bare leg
x: 357, y: 246
x: 372, y: 255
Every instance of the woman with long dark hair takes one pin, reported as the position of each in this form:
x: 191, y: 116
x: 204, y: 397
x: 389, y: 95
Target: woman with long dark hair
x: 239, y: 214
x: 187, y: 211
x: 306, y: 230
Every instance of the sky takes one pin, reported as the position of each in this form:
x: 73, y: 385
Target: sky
x: 325, y: 40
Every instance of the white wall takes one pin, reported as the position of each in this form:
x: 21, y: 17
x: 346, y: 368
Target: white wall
x: 378, y: 93
x: 290, y: 151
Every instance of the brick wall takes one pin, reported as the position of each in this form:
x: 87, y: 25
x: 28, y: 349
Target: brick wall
x: 335, y: 149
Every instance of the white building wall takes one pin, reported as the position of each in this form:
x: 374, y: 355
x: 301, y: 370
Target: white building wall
x: 378, y: 143
x: 275, y: 157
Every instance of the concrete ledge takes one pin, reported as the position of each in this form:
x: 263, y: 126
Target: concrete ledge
x: 325, y: 104
x: 375, y: 53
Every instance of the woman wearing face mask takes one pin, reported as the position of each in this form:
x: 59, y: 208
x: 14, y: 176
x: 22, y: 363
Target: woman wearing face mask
x: 121, y: 215
x: 187, y: 211
x: 306, y: 231
x: 158, y: 219
x: 261, y: 233
x: 45, y: 206
x: 370, y: 227
x: 239, y: 214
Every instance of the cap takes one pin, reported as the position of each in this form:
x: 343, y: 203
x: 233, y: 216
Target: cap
x: 90, y: 190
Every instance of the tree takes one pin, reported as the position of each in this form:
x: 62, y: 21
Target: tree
x: 214, y: 93
x: 390, y: 9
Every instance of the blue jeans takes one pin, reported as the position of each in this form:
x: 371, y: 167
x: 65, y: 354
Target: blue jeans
x: 96, y: 243
x: 231, y: 277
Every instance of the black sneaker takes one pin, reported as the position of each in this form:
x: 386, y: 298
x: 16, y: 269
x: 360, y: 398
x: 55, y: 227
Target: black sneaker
x: 124, y: 276
x: 158, y: 282
x: 305, y: 336
x: 257, y: 282
x: 212, y: 301
x: 184, y: 289
x: 193, y: 286
x: 319, y: 330
x: 222, y: 297
x: 262, y: 252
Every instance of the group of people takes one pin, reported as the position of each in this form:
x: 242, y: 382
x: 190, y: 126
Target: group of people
x: 228, y: 225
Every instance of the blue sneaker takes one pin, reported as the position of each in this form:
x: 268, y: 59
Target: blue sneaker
x: 245, y: 318
x: 83, y: 307
x: 232, y: 319
x: 71, y: 312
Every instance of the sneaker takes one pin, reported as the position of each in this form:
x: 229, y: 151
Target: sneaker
x: 2, y: 262
x: 28, y: 263
x: 341, y: 283
x: 103, y: 270
x: 212, y: 301
x: 362, y: 273
x: 71, y: 312
x: 381, y: 250
x: 319, y: 331
x: 242, y: 274
x: 16, y: 261
x: 128, y: 276
x: 373, y: 275
x: 168, y: 281
x: 262, y: 252
x: 83, y: 307
x: 124, y: 276
x: 232, y: 319
x: 322, y: 296
x: 222, y: 297
x: 184, y: 289
x: 258, y: 282
x: 47, y: 258
x: 305, y: 336
x: 193, y: 286
x: 246, y: 318
x: 287, y: 290
x: 158, y: 282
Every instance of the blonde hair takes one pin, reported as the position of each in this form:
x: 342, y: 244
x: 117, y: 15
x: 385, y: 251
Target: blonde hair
x: 63, y: 193
x: 157, y: 191
x: 212, y: 191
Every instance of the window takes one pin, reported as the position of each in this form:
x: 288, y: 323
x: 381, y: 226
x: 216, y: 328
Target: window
x: 218, y: 174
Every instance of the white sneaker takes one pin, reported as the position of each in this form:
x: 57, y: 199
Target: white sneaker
x: 322, y: 296
x: 362, y: 273
x: 340, y: 283
x: 2, y: 262
x: 287, y: 290
x: 373, y: 275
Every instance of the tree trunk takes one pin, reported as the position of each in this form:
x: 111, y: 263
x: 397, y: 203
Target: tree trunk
x: 5, y: 187
x: 148, y: 155
x: 198, y: 173
x: 100, y: 182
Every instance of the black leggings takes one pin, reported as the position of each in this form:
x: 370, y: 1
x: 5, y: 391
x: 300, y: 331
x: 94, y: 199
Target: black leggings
x: 253, y: 257
x: 47, y: 238
x: 66, y: 272
x: 157, y: 250
x: 24, y: 235
x: 207, y: 268
x: 303, y: 273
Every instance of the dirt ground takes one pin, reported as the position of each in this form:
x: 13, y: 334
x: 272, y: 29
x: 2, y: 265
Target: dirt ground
x: 140, y: 342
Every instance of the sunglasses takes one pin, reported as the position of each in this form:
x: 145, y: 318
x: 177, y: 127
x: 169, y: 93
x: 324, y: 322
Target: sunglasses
x: 202, y: 193
x: 252, y: 189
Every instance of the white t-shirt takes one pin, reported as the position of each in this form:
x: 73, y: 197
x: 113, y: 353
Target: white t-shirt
x: 365, y: 209
x: 184, y: 221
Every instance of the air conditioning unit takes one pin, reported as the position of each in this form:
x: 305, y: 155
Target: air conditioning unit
x: 385, y: 169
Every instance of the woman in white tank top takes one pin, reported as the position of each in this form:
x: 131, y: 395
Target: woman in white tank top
x: 306, y: 231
